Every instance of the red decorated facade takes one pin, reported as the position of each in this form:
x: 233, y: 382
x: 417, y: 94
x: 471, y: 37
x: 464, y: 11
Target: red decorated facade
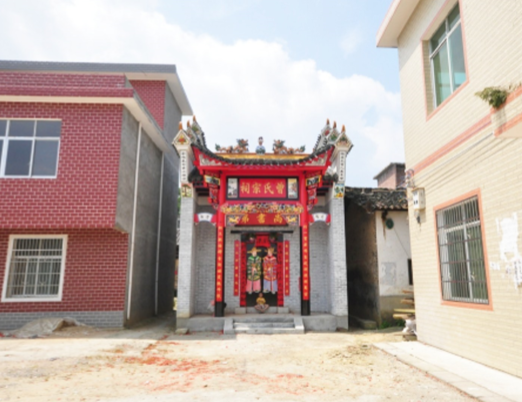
x: 261, y: 202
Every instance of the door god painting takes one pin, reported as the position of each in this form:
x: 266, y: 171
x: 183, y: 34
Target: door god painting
x: 254, y: 271
x: 270, y: 272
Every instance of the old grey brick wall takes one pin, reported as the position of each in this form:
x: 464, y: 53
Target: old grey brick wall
x: 319, y: 268
x: 293, y: 302
x: 186, y: 265
x: 337, y: 259
x: 231, y: 300
x: 106, y: 319
x: 205, y: 264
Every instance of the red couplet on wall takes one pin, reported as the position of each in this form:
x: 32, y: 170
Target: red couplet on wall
x: 237, y: 264
x: 287, y: 267
x: 306, y: 265
x: 219, y: 269
x: 280, y: 274
x: 242, y: 275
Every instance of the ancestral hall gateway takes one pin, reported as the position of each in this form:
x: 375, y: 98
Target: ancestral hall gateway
x: 269, y: 224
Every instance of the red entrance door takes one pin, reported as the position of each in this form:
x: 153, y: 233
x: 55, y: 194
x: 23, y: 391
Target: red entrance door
x: 262, y: 269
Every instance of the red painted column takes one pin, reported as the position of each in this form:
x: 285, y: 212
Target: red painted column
x: 305, y: 250
x: 219, y: 304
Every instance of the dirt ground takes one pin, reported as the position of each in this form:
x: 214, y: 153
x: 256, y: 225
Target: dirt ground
x: 151, y: 363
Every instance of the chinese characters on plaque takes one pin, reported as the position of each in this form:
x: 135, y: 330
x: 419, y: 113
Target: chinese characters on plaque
x: 262, y: 188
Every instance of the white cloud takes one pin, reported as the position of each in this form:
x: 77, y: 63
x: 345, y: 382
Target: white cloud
x: 351, y: 41
x: 243, y: 90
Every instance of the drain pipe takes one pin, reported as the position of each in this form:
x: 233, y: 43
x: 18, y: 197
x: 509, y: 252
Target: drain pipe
x: 159, y: 230
x: 133, y: 230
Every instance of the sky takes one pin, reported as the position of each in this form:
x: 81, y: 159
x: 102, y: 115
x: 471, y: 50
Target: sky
x: 250, y: 68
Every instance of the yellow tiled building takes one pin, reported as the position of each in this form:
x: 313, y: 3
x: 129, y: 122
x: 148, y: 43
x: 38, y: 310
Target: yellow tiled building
x: 466, y: 157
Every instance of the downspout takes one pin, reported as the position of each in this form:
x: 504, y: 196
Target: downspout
x: 133, y: 233
x: 159, y: 231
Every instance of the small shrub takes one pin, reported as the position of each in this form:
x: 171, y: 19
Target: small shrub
x: 394, y: 323
x: 494, y: 96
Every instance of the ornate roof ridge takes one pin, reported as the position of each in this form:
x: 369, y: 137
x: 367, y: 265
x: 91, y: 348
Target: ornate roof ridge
x: 263, y: 161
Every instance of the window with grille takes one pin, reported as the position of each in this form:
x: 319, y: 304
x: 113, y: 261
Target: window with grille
x: 29, y: 148
x: 448, y: 67
x: 35, y: 268
x: 463, y: 274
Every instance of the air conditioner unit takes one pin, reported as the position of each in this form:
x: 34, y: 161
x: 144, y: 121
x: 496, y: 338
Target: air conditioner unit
x: 419, y: 199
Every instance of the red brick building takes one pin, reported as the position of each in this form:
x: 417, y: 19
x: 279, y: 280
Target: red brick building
x: 88, y: 188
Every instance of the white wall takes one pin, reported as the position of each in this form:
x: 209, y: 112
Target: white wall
x: 393, y: 252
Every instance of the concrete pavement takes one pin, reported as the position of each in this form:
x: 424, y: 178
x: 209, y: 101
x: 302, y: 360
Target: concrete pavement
x: 475, y: 379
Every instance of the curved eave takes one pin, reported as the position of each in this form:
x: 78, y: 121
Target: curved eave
x: 265, y: 161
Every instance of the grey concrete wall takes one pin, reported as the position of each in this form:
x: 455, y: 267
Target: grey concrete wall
x: 362, y: 263
x: 145, y: 243
x: 337, y: 261
x: 205, y: 264
x: 172, y: 116
x: 145, y: 253
x: 127, y: 168
x: 169, y: 216
x: 106, y: 319
x: 319, y: 269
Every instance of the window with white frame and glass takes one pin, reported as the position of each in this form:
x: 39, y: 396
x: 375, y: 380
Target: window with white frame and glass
x: 29, y: 148
x: 462, y: 267
x: 448, y: 69
x: 35, y: 268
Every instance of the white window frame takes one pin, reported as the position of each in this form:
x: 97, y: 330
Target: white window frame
x: 5, y: 139
x: 25, y: 299
x: 434, y: 52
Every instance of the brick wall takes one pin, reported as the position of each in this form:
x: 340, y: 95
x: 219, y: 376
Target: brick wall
x: 56, y: 84
x: 85, y: 190
x: 491, y: 31
x: 337, y: 262
x: 152, y: 93
x: 95, y: 271
x: 62, y: 80
x: 319, y: 269
x: 205, y: 267
x: 187, y: 258
x: 231, y: 300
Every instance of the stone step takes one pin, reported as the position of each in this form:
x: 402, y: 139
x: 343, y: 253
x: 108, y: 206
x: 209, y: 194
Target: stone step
x: 264, y: 325
x: 269, y: 331
x: 249, y: 325
x: 265, y: 319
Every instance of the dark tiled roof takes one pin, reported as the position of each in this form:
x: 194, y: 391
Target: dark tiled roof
x: 194, y: 175
x: 19, y: 65
x: 373, y: 199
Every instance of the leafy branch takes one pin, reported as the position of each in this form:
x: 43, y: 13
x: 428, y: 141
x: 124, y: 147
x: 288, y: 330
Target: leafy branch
x: 496, y: 96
